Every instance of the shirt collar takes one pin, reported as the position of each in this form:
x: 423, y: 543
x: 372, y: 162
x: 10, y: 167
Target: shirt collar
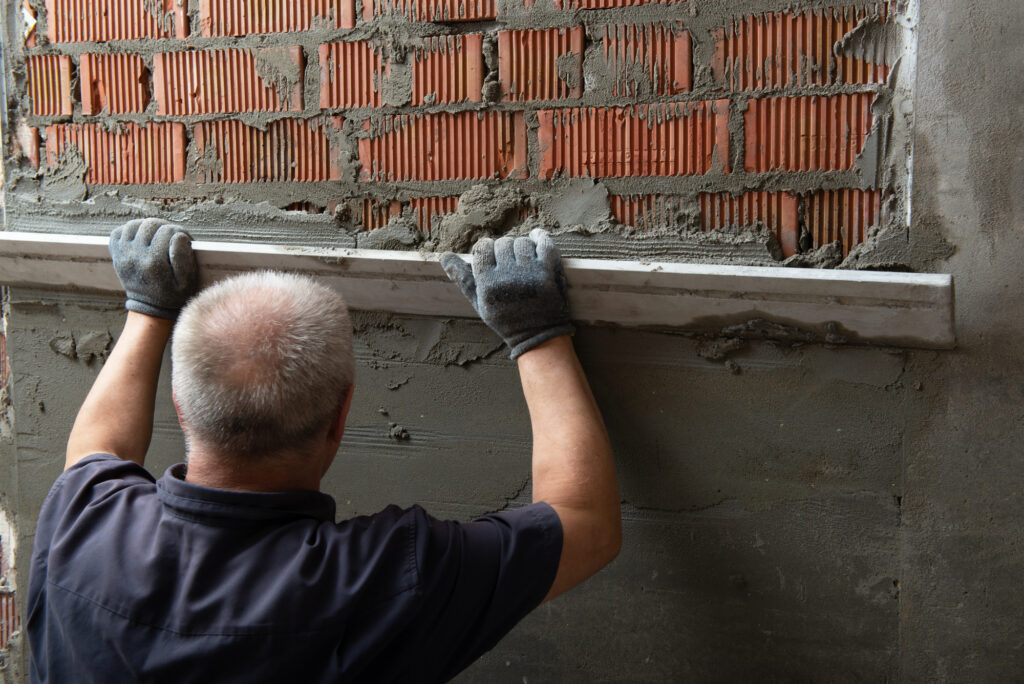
x: 225, y: 506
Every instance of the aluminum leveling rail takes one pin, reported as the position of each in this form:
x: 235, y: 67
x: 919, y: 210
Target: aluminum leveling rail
x: 897, y: 309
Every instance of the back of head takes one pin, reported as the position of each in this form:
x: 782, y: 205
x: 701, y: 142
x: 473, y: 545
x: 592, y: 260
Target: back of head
x: 261, y: 363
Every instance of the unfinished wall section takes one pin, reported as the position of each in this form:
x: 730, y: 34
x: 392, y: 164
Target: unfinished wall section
x: 10, y: 620
x: 764, y: 131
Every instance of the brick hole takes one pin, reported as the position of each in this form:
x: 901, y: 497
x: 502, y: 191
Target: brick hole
x: 307, y: 207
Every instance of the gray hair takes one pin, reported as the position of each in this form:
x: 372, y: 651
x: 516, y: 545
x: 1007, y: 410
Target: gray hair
x: 261, y: 362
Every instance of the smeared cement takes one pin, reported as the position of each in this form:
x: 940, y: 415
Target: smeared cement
x: 446, y: 342
x: 826, y: 256
x: 874, y: 41
x: 65, y: 181
x: 576, y: 202
x: 277, y: 68
x: 880, y: 164
x: 898, y: 249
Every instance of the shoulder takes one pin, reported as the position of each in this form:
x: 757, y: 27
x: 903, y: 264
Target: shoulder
x: 84, y: 502
x: 93, y: 484
x: 529, y: 537
x: 96, y: 476
x: 422, y: 549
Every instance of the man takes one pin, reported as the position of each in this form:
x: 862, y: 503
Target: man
x: 232, y: 568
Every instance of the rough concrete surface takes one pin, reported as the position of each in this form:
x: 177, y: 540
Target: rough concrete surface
x: 962, y: 540
x: 793, y: 512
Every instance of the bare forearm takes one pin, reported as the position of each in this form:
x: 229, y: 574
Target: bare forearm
x: 117, y: 415
x: 573, y: 467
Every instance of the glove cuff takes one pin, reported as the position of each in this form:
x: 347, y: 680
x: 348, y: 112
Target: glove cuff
x: 150, y: 310
x: 543, y: 336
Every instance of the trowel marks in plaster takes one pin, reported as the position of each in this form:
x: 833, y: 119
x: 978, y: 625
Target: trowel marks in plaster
x: 84, y: 346
x: 733, y: 102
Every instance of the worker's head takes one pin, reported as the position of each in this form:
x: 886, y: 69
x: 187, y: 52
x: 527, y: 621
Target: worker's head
x: 262, y: 365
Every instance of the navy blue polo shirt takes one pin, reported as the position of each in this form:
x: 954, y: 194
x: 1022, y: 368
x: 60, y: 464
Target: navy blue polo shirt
x: 165, y: 581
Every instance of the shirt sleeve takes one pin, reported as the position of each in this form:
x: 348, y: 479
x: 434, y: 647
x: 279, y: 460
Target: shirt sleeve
x: 94, y: 477
x: 480, y: 579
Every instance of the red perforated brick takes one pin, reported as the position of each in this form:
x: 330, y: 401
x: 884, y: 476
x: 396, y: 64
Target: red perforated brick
x: 118, y: 84
x: 541, y: 65
x: 646, y: 140
x: 295, y: 150
x: 806, y: 133
x: 648, y: 211
x: 658, y: 50
x: 73, y: 21
x: 10, y: 622
x: 376, y: 214
x: 432, y: 10
x: 244, y: 17
x: 131, y: 154
x: 448, y: 69
x: 429, y: 209
x: 843, y: 215
x: 777, y: 211
x: 350, y: 75
x: 49, y: 85
x: 217, y: 81
x: 782, y: 49
x: 429, y: 147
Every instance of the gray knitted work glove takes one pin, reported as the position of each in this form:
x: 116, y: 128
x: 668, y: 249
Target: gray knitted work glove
x: 156, y: 266
x: 517, y: 287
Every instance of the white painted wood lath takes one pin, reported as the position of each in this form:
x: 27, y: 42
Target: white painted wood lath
x: 899, y: 309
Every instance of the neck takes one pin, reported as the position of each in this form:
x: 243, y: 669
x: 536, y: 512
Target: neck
x: 274, y: 473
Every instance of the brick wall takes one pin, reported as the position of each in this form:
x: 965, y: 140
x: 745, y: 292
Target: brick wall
x: 399, y: 106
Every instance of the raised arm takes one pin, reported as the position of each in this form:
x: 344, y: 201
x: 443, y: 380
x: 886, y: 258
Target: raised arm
x: 155, y: 264
x: 519, y: 290
x: 573, y: 469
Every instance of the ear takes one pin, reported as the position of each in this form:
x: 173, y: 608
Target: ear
x: 338, y: 427
x: 177, y: 409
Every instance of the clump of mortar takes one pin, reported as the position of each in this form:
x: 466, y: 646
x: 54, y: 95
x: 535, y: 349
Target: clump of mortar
x: 895, y: 248
x: 484, y: 211
x: 826, y: 256
x: 400, y: 234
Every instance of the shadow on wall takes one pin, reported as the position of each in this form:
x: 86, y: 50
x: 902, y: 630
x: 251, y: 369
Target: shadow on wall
x: 752, y: 551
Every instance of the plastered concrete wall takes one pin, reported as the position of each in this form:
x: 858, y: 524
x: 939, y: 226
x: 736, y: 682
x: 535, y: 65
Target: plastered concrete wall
x: 823, y: 514
x: 757, y: 539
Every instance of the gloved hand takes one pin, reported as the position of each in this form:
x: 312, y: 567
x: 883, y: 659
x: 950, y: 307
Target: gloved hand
x: 517, y: 287
x: 156, y: 266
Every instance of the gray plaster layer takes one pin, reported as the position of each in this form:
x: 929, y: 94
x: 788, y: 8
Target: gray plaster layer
x: 962, y: 541
x: 728, y: 538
